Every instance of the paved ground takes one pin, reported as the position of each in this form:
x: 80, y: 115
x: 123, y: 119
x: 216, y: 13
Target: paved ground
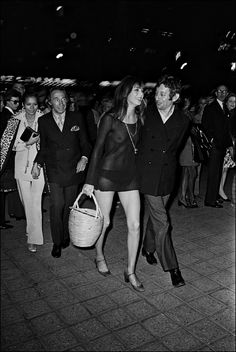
x: 65, y: 305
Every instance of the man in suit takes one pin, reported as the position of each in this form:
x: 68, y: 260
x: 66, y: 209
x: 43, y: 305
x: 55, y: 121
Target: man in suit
x: 163, y: 131
x: 12, y: 100
x: 215, y: 126
x: 64, y: 150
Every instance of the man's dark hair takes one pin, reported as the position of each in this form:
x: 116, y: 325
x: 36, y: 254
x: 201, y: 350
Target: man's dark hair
x: 11, y: 93
x: 171, y: 82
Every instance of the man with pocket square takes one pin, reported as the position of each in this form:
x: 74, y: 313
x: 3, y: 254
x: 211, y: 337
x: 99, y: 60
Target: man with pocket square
x: 64, y: 152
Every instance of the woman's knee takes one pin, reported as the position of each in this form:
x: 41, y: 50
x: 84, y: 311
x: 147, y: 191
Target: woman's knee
x: 134, y: 226
x: 106, y: 222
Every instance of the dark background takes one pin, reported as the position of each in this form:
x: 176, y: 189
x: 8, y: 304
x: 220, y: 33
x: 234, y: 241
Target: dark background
x: 110, y: 41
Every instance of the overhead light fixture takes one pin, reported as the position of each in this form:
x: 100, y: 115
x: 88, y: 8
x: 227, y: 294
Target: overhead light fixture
x: 184, y: 64
x: 233, y: 66
x: 105, y: 84
x: 59, y: 56
x: 166, y: 34
x: 177, y: 56
x: 73, y: 35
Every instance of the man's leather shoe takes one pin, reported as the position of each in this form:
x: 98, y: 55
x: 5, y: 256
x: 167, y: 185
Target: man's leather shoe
x: 56, y: 251
x: 176, y: 278
x: 149, y: 257
x: 5, y: 226
x: 219, y: 200
x: 65, y: 243
x: 214, y: 205
x: 18, y: 218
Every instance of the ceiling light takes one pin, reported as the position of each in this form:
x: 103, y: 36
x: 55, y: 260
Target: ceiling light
x: 104, y: 84
x: 73, y: 35
x: 182, y: 66
x: 145, y: 30
x: 59, y: 56
x: 177, y: 56
x: 233, y: 66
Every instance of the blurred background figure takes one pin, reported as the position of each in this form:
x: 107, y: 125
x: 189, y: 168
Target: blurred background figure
x: 83, y: 105
x: 197, y: 121
x: 42, y: 96
x: 8, y: 187
x: 215, y: 126
x: 19, y: 86
x: 1, y: 101
x: 229, y: 161
x: 106, y: 103
x: 187, y: 163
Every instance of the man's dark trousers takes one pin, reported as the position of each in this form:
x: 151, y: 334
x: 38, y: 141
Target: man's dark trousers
x: 61, y: 198
x: 157, y: 234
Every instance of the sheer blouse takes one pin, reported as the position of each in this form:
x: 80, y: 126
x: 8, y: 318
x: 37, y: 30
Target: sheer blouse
x: 113, y: 161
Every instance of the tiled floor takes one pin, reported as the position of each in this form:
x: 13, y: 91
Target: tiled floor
x: 65, y: 305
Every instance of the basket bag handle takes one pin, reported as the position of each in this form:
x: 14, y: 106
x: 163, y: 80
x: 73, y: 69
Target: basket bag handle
x: 98, y: 210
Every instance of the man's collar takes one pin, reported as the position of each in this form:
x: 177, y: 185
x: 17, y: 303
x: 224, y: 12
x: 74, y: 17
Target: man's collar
x: 58, y: 115
x: 220, y: 102
x: 165, y: 117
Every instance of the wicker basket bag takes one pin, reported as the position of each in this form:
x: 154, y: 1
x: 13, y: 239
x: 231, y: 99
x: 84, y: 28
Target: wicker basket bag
x: 85, y: 225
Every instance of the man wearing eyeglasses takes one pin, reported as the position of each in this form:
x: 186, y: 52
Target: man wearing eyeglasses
x: 12, y: 100
x: 215, y: 125
x: 7, y: 181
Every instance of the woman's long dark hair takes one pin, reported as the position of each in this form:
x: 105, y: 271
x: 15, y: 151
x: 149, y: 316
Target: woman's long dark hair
x: 120, y: 98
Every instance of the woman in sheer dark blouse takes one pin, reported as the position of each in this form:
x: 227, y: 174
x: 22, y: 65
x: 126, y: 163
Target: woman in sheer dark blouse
x: 112, y: 168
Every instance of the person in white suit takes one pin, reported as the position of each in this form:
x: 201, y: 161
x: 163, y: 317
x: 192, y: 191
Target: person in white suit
x: 30, y: 189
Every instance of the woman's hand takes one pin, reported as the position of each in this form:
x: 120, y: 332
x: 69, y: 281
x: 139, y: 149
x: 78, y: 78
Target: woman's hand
x: 35, y: 172
x: 88, y: 189
x: 33, y: 139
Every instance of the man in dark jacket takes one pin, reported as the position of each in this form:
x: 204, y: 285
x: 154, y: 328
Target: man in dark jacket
x: 64, y: 150
x: 215, y: 126
x: 163, y: 131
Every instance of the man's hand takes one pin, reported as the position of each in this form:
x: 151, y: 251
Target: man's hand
x: 81, y: 165
x: 88, y: 189
x: 35, y: 172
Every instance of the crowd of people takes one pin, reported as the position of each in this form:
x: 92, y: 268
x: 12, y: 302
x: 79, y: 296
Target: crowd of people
x: 124, y: 143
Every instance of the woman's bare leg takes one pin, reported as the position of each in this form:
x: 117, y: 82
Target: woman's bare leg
x: 104, y: 199
x: 130, y: 201
x: 222, y: 183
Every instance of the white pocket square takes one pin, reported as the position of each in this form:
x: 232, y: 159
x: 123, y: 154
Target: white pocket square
x: 75, y: 128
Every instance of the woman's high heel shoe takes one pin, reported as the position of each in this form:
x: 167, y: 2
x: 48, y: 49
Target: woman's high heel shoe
x: 182, y: 204
x: 102, y: 264
x: 135, y: 283
x: 193, y: 204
